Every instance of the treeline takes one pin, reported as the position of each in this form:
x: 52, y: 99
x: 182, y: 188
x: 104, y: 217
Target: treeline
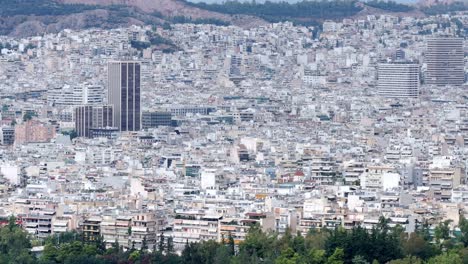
x: 444, y: 8
x: 274, y: 10
x: 389, y: 6
x: 382, y: 244
x: 40, y: 8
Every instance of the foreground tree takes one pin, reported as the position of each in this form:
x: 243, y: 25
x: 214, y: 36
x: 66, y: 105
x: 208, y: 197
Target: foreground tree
x: 15, y: 245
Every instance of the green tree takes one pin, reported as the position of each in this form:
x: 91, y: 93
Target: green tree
x: 359, y: 260
x: 446, y: 258
x: 144, y: 245
x: 170, y: 245
x: 28, y: 116
x: 316, y: 239
x: 463, y: 225
x: 258, y: 243
x: 316, y: 256
x: 231, y: 245
x: 463, y: 252
x: 222, y: 255
x: 442, y: 234
x: 15, y: 245
x: 337, y: 257
x: 161, y: 242
x: 417, y: 246
x: 298, y: 243
x: 135, y: 256
x: 288, y: 256
x: 407, y: 260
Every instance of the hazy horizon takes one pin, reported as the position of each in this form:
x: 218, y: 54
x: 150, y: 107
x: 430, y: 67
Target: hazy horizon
x: 289, y: 1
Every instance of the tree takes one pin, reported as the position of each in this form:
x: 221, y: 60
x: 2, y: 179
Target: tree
x: 144, y: 245
x: 285, y: 241
x: 417, y: 246
x: 337, y: 257
x: 381, y: 243
x: 316, y: 239
x: 73, y: 134
x: 316, y: 256
x: 134, y: 256
x: 446, y: 258
x: 288, y: 256
x: 258, y: 243
x: 161, y: 242
x: 231, y: 244
x: 463, y: 225
x: 100, y: 244
x: 298, y: 244
x: 170, y: 245
x: 407, y: 260
x: 359, y: 260
x: 424, y: 231
x: 190, y: 254
x: 442, y: 234
x: 14, y: 244
x: 115, y: 249
x: 222, y: 255
x: 28, y: 116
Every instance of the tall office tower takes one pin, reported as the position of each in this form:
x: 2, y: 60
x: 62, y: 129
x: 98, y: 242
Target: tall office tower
x: 88, y: 117
x: 102, y: 116
x: 398, y: 79
x: 445, y: 61
x: 83, y: 120
x: 124, y: 94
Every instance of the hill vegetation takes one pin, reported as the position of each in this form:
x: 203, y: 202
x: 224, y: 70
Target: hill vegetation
x: 282, y: 11
x: 445, y: 8
x: 40, y: 8
x: 32, y: 17
x: 390, y: 6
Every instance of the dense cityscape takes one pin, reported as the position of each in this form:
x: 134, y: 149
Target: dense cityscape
x: 345, y: 142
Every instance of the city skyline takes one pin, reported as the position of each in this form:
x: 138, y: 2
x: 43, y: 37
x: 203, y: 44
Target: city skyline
x: 196, y: 141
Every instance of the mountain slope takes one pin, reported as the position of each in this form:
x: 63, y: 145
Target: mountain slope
x: 33, y: 17
x: 165, y: 7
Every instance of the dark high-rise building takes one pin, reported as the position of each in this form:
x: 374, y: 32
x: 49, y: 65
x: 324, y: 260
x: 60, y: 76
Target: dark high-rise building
x: 88, y: 117
x: 445, y: 61
x: 124, y: 94
x: 102, y: 116
x: 83, y: 120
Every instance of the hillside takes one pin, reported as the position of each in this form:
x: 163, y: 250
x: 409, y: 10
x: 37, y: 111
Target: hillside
x: 174, y: 8
x: 33, y: 17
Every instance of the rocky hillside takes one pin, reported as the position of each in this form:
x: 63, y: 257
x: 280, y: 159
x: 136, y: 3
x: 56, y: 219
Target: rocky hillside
x: 35, y: 17
x: 165, y: 7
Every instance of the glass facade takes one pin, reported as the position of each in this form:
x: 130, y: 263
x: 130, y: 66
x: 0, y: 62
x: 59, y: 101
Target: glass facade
x: 124, y: 94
